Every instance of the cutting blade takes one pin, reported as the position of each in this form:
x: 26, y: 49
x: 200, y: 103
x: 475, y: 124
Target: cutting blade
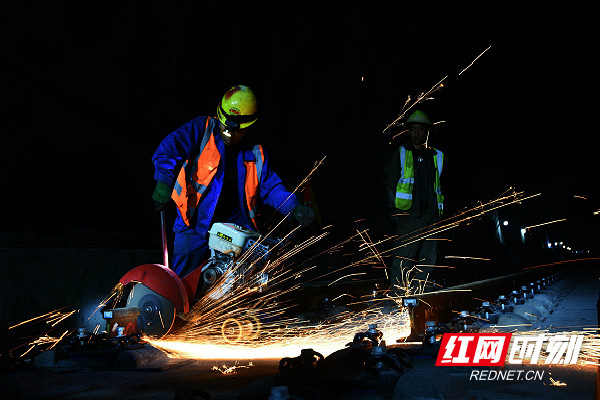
x: 157, y: 312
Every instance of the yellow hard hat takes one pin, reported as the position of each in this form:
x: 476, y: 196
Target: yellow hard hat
x: 238, y: 108
x: 418, y: 117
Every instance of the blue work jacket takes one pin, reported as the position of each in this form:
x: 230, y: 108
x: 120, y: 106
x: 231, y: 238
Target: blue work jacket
x: 184, y: 144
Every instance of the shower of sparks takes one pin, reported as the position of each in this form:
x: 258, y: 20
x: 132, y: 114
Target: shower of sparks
x: 232, y: 324
x: 545, y: 223
x: 287, y: 338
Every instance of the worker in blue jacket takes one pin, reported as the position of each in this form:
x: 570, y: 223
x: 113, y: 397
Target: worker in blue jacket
x: 213, y: 175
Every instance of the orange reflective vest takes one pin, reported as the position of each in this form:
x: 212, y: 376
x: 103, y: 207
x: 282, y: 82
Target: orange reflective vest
x: 195, y: 177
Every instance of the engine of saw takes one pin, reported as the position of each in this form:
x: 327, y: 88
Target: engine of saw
x: 238, y: 256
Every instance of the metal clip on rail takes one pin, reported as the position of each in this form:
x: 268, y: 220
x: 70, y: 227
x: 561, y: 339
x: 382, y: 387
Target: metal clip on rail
x: 373, y: 336
x: 302, y: 365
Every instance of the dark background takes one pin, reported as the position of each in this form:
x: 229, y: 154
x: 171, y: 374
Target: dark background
x: 88, y: 91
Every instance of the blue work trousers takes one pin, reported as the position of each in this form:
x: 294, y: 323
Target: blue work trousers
x: 190, y: 249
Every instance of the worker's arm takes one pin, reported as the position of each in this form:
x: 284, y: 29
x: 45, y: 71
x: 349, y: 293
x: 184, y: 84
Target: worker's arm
x: 172, y: 152
x: 273, y: 191
x: 175, y: 149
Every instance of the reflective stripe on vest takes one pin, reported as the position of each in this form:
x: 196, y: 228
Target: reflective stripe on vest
x: 253, y: 177
x: 404, y: 188
x: 195, y: 178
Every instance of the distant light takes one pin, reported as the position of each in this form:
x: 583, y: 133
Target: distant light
x: 505, y: 223
x: 523, y: 231
x: 549, y: 245
x: 555, y: 243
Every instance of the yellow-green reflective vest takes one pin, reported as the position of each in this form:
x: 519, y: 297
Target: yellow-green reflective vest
x: 404, y: 189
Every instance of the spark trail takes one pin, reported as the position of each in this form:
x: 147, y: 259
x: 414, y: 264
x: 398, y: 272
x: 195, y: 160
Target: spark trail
x: 424, y: 96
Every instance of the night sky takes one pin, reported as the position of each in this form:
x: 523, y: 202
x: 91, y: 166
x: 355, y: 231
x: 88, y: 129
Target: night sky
x: 88, y: 92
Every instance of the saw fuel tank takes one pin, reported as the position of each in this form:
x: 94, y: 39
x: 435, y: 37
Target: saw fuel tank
x: 229, y: 238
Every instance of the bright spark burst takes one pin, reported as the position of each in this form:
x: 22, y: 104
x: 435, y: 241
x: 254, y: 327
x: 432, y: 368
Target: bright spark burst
x: 287, y: 338
x: 245, y: 322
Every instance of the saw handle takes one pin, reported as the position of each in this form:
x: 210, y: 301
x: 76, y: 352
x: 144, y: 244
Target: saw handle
x: 163, y: 232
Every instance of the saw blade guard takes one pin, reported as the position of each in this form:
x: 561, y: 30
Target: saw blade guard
x: 162, y: 281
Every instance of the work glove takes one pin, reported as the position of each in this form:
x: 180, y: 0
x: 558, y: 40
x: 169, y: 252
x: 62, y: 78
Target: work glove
x: 161, y: 196
x: 304, y: 215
